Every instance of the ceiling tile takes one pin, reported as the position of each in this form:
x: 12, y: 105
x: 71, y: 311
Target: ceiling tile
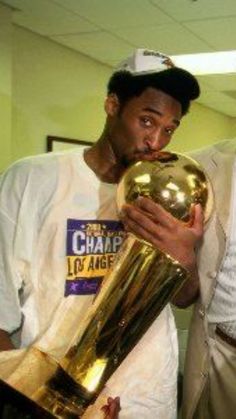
x: 48, y: 18
x: 182, y: 10
x: 117, y: 13
x: 171, y: 39
x: 220, y: 82
x: 109, y: 30
x: 219, y: 92
x: 230, y: 93
x: 219, y: 33
x: 101, y: 46
x: 219, y: 102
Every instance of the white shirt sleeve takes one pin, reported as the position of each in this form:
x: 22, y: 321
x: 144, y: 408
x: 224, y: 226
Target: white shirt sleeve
x: 25, y: 190
x: 10, y: 284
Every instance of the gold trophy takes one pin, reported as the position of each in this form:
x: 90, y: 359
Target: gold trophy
x: 141, y: 282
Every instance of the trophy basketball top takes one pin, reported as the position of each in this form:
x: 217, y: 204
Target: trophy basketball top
x: 173, y: 180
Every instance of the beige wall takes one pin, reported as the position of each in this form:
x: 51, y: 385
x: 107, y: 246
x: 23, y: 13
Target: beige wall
x: 202, y: 126
x: 56, y: 91
x: 233, y: 126
x: 5, y: 86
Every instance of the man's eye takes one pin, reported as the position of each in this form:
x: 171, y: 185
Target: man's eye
x: 169, y: 131
x: 146, y: 121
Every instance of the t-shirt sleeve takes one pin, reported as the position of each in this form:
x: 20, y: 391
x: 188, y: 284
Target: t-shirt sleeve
x: 10, y: 284
x: 26, y: 190
x: 10, y: 314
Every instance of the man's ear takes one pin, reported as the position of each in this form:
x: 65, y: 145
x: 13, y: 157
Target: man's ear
x: 112, y: 105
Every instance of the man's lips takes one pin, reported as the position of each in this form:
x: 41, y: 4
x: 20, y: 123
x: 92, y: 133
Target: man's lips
x: 150, y: 155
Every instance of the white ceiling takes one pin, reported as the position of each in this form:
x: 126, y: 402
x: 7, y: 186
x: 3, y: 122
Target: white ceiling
x: 109, y: 30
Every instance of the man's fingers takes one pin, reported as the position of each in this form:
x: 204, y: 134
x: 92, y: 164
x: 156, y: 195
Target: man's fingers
x: 140, y: 224
x: 112, y: 408
x: 144, y: 210
x: 198, y: 219
x: 157, y: 212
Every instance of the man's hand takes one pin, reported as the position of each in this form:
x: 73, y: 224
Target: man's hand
x: 153, y: 223
x: 112, y: 408
x: 5, y: 341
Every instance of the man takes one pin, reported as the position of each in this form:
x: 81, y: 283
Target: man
x: 210, y: 371
x: 59, y: 205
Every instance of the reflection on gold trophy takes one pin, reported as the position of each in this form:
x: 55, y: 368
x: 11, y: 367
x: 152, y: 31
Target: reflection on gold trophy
x: 142, y: 281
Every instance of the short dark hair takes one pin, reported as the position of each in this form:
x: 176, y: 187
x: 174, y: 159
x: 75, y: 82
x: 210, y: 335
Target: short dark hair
x: 176, y: 82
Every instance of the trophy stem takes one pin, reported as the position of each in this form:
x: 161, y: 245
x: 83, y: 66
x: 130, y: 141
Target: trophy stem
x: 142, y: 281
x: 140, y: 284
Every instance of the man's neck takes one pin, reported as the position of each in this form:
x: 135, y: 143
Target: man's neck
x: 101, y: 160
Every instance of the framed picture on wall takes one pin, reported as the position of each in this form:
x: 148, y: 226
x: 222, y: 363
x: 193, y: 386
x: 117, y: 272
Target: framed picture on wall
x: 55, y: 143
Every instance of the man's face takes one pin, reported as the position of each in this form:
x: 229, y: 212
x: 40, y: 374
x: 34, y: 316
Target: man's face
x: 144, y: 125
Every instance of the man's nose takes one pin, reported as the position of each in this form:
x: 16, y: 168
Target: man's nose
x: 155, y: 140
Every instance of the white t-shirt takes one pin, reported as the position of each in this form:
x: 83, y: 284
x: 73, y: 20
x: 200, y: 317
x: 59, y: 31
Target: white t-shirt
x: 48, y: 205
x: 50, y: 264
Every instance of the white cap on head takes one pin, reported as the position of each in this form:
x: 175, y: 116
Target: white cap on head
x: 175, y: 81
x: 145, y: 61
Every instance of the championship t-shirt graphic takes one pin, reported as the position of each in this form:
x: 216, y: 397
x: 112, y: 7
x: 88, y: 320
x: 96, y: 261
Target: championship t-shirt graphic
x: 91, y: 249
